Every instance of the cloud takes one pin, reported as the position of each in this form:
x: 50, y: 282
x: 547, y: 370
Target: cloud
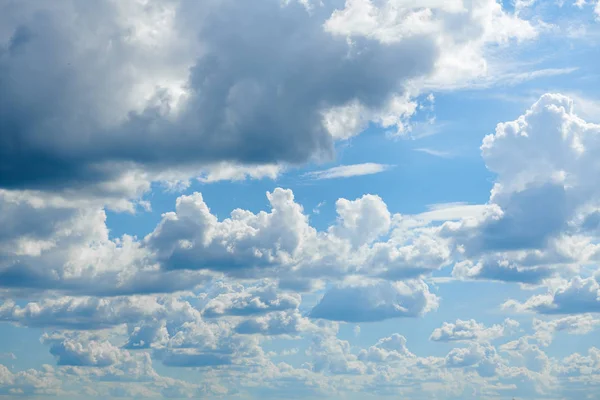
x: 333, y: 355
x: 452, y: 211
x: 361, y: 221
x: 50, y: 243
x: 30, y: 382
x: 240, y: 301
x: 386, y: 350
x: 232, y: 172
x: 192, y: 359
x: 481, y: 357
x: 90, y: 354
x: 436, y: 153
x: 572, y: 324
x: 186, y: 101
x: 193, y: 238
x: 375, y: 301
x: 348, y: 171
x: 577, y: 296
x: 501, y: 270
x: 541, y: 201
x: 171, y: 90
x: 276, y: 323
x: 82, y: 312
x: 523, y: 353
x: 471, y: 330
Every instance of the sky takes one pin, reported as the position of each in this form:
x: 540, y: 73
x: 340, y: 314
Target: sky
x: 300, y: 199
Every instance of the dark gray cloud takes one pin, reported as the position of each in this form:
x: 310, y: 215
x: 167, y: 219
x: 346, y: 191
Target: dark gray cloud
x: 262, y: 75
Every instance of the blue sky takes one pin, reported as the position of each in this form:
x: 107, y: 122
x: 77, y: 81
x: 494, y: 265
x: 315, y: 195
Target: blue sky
x: 360, y: 199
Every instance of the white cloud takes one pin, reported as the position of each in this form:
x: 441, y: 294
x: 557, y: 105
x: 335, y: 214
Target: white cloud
x: 572, y: 324
x: 436, y: 153
x: 348, y: 171
x: 243, y: 301
x: 375, y: 301
x: 471, y: 330
x: 387, y: 350
x: 361, y: 221
x: 232, y: 172
x: 577, y: 296
x: 535, y: 224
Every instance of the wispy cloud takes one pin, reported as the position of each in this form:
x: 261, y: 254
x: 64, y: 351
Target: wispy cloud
x: 347, y: 171
x: 500, y: 76
x: 452, y: 211
x: 436, y: 153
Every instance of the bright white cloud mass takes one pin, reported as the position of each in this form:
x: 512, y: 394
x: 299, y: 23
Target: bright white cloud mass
x: 337, y: 199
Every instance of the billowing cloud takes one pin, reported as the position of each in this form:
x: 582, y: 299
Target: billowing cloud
x: 542, y: 200
x: 387, y: 350
x: 240, y: 301
x: 471, y: 330
x: 577, y: 296
x: 171, y: 89
x: 580, y: 324
x: 375, y: 301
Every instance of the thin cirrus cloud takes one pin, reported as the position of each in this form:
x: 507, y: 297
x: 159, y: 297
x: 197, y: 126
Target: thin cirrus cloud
x: 348, y: 171
x: 436, y: 153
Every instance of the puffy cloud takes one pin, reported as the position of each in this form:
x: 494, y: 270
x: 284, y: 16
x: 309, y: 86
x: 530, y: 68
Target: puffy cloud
x: 501, y: 270
x: 332, y: 354
x: 577, y: 296
x: 572, y: 324
x: 171, y: 89
x: 82, y: 312
x: 193, y: 238
x: 375, y: 301
x: 523, y: 353
x: 177, y: 104
x: 542, y: 203
x: 277, y: 323
x: 362, y: 220
x: 260, y: 299
x: 471, y: 330
x: 29, y: 383
x: 53, y: 243
x: 92, y: 353
x: 389, y: 349
x: 482, y: 357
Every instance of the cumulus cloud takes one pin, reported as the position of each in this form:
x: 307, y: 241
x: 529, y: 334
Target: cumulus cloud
x: 577, y: 296
x: 331, y: 354
x: 572, y: 324
x: 375, y: 301
x: 82, y: 312
x: 92, y: 353
x: 277, y: 323
x: 29, y: 383
x: 193, y: 238
x: 132, y: 93
x: 195, y: 115
x: 483, y: 358
x: 171, y: 88
x: 471, y: 330
x: 541, y: 202
x: 389, y: 349
x: 51, y: 244
x: 240, y: 301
